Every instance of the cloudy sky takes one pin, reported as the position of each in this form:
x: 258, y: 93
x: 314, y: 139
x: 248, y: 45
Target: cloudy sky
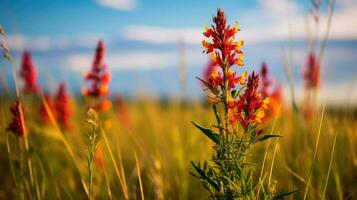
x: 143, y: 39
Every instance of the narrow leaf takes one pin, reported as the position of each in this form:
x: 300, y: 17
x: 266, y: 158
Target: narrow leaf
x: 265, y: 137
x: 209, y: 133
x: 283, y: 195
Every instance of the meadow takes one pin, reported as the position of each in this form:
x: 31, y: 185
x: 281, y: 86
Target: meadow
x: 241, y: 140
x: 164, y: 140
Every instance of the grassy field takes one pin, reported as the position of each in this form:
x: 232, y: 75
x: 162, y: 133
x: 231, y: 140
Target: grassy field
x: 164, y: 140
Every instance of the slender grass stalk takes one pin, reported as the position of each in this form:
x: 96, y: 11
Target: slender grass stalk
x: 139, y: 176
x: 123, y: 186
x: 64, y: 141
x: 273, y: 161
x: 315, y: 153
x: 327, y: 30
x: 268, y: 144
x: 329, y: 167
x: 8, y: 148
x: 122, y: 172
x: 107, y: 183
x: 266, y: 150
x: 93, y: 141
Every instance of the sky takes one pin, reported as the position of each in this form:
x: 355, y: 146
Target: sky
x: 143, y: 41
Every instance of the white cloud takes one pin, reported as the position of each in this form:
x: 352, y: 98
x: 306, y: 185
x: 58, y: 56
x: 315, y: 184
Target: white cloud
x: 278, y: 16
x: 19, y: 42
x: 118, y: 4
x: 162, y: 35
x: 287, y: 14
x: 333, y: 94
x: 278, y: 8
x: 140, y: 60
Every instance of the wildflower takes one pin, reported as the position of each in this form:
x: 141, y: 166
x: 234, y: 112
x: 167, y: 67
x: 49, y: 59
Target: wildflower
x: 98, y: 76
x: 245, y: 105
x: 266, y: 81
x: 276, y: 99
x: 312, y: 72
x: 98, y: 157
x: 103, y: 105
x: 17, y: 125
x: 123, y: 113
x: 233, y: 79
x: 249, y: 108
x: 225, y: 52
x: 63, y: 106
x: 28, y: 74
x: 44, y: 112
x: 223, y: 48
x: 216, y: 79
x: 266, y: 90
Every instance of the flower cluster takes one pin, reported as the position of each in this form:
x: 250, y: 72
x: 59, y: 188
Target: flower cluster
x: 239, y: 109
x: 17, y: 125
x: 225, y: 52
x: 98, y: 76
x: 122, y: 111
x: 311, y: 73
x: 62, y: 106
x: 249, y: 108
x: 28, y: 74
x: 267, y: 90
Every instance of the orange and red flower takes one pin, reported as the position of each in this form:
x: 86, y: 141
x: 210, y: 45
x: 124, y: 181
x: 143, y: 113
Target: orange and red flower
x: 17, y: 125
x: 224, y: 49
x: 249, y: 108
x: 28, y: 74
x: 99, y: 76
x: 311, y: 73
x: 267, y: 91
x: 63, y: 106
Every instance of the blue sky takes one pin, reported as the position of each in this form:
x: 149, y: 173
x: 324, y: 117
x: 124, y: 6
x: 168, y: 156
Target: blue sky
x: 142, y: 39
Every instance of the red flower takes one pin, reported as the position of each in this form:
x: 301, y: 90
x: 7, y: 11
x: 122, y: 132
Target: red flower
x: 265, y: 79
x: 216, y: 79
x: 28, y: 74
x: 17, y: 125
x: 233, y: 79
x: 312, y: 72
x: 98, y: 76
x: 266, y: 90
x: 249, y: 108
x: 98, y: 158
x: 225, y: 50
x: 122, y: 111
x: 43, y: 111
x: 63, y: 106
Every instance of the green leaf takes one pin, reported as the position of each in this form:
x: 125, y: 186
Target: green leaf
x: 283, y: 195
x: 236, y: 93
x: 209, y: 133
x: 204, y: 176
x: 204, y: 82
x: 265, y: 137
